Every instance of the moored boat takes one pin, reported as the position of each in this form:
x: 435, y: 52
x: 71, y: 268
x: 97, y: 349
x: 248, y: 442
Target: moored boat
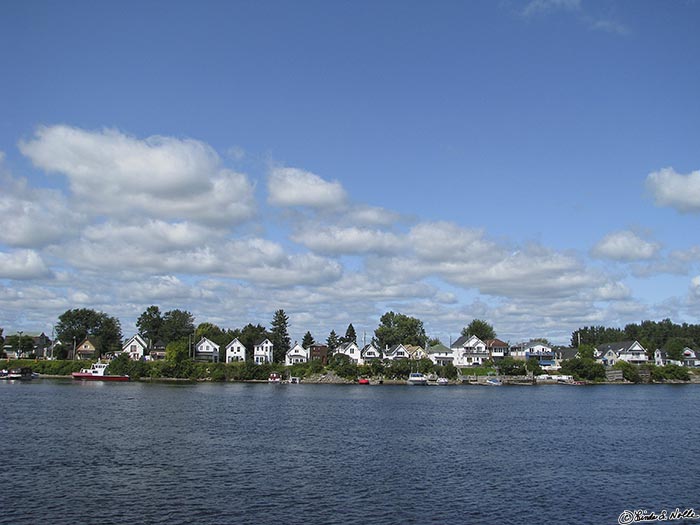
x: 97, y: 372
x: 416, y: 378
x: 363, y: 381
x: 274, y: 377
x: 18, y: 374
x: 443, y: 381
x: 493, y: 381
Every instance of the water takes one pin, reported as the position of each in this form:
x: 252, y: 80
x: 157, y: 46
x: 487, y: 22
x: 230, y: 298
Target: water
x: 100, y: 453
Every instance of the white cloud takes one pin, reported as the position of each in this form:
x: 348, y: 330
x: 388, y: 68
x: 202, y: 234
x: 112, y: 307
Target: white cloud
x: 162, y: 177
x: 681, y: 192
x: 545, y: 6
x: 625, y: 246
x: 337, y: 240
x: 30, y: 218
x: 23, y: 264
x: 295, y: 187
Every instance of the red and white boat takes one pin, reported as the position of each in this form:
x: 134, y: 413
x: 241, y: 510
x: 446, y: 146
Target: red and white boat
x: 97, y: 373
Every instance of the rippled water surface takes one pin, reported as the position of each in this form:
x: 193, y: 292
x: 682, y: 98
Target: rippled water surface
x: 98, y: 453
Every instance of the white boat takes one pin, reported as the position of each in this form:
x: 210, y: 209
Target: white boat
x: 443, y: 381
x: 274, y: 378
x: 493, y: 381
x: 416, y: 378
x: 97, y: 372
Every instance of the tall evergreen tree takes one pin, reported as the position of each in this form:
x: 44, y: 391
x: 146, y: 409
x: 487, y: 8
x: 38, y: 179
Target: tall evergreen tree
x: 308, y: 340
x: 279, y: 335
x: 177, y: 324
x: 350, y: 335
x: 332, y: 342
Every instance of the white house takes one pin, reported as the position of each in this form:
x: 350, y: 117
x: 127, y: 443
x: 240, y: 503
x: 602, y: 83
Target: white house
x: 469, y: 350
x: 691, y: 357
x: 497, y: 349
x: 611, y: 353
x: 351, y: 350
x: 441, y: 355
x: 296, y: 354
x: 206, y: 350
x: 136, y: 347
x: 396, y: 352
x: 235, y: 351
x: 370, y: 353
x: 538, y: 350
x: 262, y: 352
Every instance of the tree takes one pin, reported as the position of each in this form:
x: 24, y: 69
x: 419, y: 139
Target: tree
x: 675, y: 346
x: 480, y: 329
x: 177, y: 351
x: 279, y: 336
x: 177, y: 324
x: 14, y: 342
x: 249, y: 336
x: 308, y: 340
x: 511, y: 367
x: 75, y: 325
x: 434, y: 341
x: 332, y: 342
x: 350, y: 335
x: 150, y: 324
x: 399, y: 329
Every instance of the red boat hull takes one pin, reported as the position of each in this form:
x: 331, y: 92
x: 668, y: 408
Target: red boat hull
x: 90, y: 377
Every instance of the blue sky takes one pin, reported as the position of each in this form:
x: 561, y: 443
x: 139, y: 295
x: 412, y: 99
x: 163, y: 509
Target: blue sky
x: 534, y: 164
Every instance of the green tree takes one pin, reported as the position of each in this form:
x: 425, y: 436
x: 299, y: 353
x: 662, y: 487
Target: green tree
x: 534, y: 367
x: 433, y: 341
x: 150, y: 324
x: 249, y: 336
x: 586, y: 369
x: 511, y: 367
x: 177, y: 351
x: 75, y: 325
x: 396, y: 329
x: 674, y: 347
x: 332, y: 342
x: 479, y: 328
x: 350, y: 335
x: 586, y: 351
x: 27, y: 343
x: 308, y: 340
x: 177, y: 324
x: 629, y: 371
x: 279, y: 335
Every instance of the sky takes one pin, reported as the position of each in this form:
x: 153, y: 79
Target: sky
x: 533, y: 164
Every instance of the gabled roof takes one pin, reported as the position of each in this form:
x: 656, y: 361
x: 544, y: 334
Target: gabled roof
x: 345, y: 346
x: 439, y: 349
x: 207, y: 340
x: 138, y: 338
x: 617, y: 347
x: 235, y: 339
x: 262, y: 341
x: 567, y: 353
x: 459, y: 343
x: 495, y: 343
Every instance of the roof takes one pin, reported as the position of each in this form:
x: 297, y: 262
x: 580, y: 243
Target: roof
x: 439, y: 349
x: 491, y: 343
x: 567, y: 353
x: 616, y: 347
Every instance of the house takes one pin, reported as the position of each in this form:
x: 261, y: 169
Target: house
x: 563, y: 354
x: 370, y: 353
x: 206, y: 350
x: 235, y: 351
x: 497, y: 349
x: 136, y: 347
x: 415, y: 352
x: 396, y: 352
x: 42, y: 344
x: 319, y: 352
x: 441, y: 355
x: 157, y: 350
x: 629, y: 351
x: 262, y: 352
x: 691, y: 358
x: 351, y: 350
x: 469, y: 350
x: 296, y: 354
x: 87, y: 349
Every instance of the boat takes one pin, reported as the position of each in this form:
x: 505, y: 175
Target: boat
x: 18, y: 374
x: 97, y: 372
x: 416, y: 378
x: 442, y: 381
x: 294, y: 380
x: 493, y: 381
x: 274, y: 377
x: 363, y: 381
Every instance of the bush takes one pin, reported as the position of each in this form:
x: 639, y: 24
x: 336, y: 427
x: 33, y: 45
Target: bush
x: 583, y: 369
x: 629, y: 371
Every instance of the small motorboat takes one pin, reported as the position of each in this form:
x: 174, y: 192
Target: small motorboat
x: 442, y: 381
x: 274, y: 377
x: 363, y: 381
x: 18, y: 374
x: 493, y: 381
x: 97, y: 372
x: 416, y: 378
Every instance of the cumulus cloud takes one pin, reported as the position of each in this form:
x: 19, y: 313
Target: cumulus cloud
x: 161, y: 177
x: 625, y: 246
x: 295, y: 187
x: 348, y: 241
x: 23, y: 264
x: 678, y: 191
x: 32, y: 217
